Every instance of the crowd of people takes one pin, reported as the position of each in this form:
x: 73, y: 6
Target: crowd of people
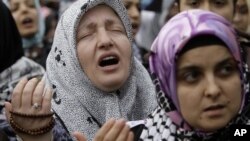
x: 119, y: 70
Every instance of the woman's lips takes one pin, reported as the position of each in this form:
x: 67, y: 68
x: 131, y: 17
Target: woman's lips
x: 27, y: 22
x: 214, y: 110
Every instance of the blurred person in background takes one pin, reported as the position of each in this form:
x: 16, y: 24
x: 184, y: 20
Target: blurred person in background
x: 30, y: 24
x: 134, y: 8
x: 242, y: 24
x: 156, y: 14
x: 225, y: 8
x: 248, y: 5
x: 64, y: 4
x: 241, y: 17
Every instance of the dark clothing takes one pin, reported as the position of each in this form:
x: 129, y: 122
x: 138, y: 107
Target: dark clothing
x: 10, y: 40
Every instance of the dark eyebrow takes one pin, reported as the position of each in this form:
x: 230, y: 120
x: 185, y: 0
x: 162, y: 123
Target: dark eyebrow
x: 187, y: 68
x: 109, y: 22
x: 223, y: 62
x: 194, y: 67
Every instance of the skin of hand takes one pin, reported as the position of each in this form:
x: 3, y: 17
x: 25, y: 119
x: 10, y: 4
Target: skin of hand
x: 112, y: 130
x: 25, y: 94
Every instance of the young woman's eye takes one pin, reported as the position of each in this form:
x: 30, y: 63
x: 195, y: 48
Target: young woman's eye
x: 191, y: 77
x: 227, y: 70
x: 13, y: 8
x: 219, y: 3
x: 243, y: 10
x: 194, y: 3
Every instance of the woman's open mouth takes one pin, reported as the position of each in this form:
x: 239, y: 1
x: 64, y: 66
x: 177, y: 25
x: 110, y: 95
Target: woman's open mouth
x: 109, y: 61
x: 27, y: 22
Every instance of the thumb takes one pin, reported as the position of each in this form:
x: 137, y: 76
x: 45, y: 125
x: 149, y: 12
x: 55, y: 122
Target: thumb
x: 79, y: 136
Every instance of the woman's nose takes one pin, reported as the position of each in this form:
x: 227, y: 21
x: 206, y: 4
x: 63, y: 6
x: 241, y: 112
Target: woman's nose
x: 212, y: 88
x: 23, y: 8
x: 103, y: 38
x: 134, y: 12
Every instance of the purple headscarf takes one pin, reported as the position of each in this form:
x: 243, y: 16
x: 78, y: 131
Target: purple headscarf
x: 175, y: 35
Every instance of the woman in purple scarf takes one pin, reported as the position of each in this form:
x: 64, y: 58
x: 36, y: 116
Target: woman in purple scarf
x: 201, y: 80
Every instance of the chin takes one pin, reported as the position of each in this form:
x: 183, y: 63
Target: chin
x: 110, y: 86
x: 29, y: 33
x: 213, y: 126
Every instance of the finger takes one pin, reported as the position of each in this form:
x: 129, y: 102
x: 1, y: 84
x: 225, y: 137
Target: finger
x: 130, y: 136
x: 16, y: 97
x: 38, y: 93
x: 124, y: 134
x: 104, y: 130
x: 27, y: 93
x: 79, y: 136
x: 46, y: 103
x: 115, y: 130
x: 8, y: 108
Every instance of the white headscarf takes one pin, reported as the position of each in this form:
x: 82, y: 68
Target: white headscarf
x: 79, y: 104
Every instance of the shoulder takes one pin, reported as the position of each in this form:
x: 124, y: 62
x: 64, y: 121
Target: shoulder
x: 158, y: 126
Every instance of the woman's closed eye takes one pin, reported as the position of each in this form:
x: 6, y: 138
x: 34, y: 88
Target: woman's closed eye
x: 117, y: 30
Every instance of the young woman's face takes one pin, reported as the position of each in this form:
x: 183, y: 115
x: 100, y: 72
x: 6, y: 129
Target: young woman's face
x: 241, y: 17
x: 208, y: 87
x: 221, y: 7
x: 133, y: 8
x: 25, y: 15
x: 103, y: 48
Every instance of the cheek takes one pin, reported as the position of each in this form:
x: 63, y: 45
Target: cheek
x: 15, y: 16
x: 234, y: 92
x: 125, y: 47
x: 82, y: 57
x: 189, y: 99
x: 227, y: 13
x: 35, y: 15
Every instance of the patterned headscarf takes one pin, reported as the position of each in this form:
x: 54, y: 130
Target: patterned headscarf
x: 174, y: 36
x: 79, y: 104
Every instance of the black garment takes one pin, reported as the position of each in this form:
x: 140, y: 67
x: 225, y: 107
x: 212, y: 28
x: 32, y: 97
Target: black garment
x: 10, y: 39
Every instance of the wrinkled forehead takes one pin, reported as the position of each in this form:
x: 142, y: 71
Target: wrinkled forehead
x: 116, y: 6
x: 111, y: 15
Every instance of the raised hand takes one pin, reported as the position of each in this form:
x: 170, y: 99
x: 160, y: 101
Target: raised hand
x: 114, y: 130
x: 29, y: 112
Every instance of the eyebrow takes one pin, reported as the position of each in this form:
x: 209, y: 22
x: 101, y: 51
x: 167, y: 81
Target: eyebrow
x: 191, y: 67
x: 229, y: 59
